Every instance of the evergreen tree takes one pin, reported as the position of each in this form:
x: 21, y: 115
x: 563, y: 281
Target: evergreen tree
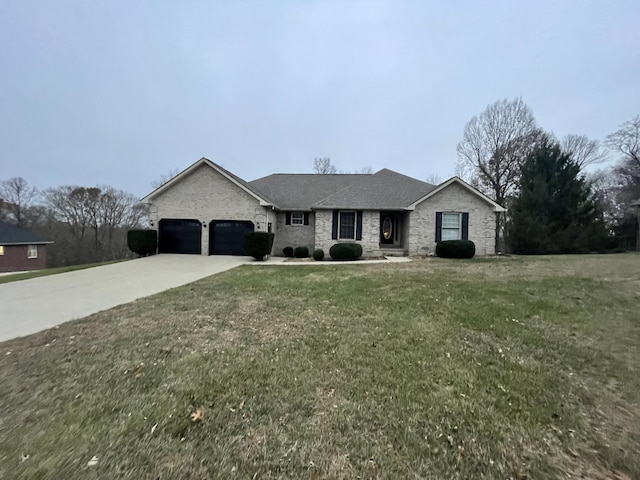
x: 555, y: 210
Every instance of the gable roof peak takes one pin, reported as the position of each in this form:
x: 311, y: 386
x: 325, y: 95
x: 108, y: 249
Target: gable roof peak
x: 455, y: 179
x: 222, y: 171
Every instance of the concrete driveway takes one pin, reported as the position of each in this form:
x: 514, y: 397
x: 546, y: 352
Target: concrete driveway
x: 28, y: 306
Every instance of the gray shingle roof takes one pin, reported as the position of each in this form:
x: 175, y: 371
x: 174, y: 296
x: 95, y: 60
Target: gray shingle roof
x: 385, y: 189
x: 12, y: 235
x: 300, y: 191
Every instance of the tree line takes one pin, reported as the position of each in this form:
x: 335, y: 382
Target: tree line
x: 555, y: 205
x: 86, y: 224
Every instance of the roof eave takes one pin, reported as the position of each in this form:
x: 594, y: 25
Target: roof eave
x: 359, y: 207
x: 16, y: 244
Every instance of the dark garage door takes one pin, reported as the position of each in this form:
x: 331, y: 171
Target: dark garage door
x: 226, y: 237
x: 180, y: 236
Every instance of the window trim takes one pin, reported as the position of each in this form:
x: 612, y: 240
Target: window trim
x: 297, y: 219
x: 458, y: 228
x: 354, y: 226
x: 32, y: 251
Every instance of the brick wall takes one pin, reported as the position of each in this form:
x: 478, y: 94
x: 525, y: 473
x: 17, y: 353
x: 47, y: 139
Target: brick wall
x: 15, y: 259
x: 293, y: 235
x: 454, y: 198
x: 206, y: 195
x: 370, y: 232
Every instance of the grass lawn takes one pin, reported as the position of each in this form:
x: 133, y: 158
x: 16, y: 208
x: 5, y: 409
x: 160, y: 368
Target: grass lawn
x: 14, y: 277
x: 498, y: 368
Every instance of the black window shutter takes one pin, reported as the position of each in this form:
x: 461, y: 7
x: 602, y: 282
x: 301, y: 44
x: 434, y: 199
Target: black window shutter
x: 359, y: 225
x: 465, y: 226
x: 306, y: 218
x: 438, y: 226
x: 334, y: 227
x: 287, y: 218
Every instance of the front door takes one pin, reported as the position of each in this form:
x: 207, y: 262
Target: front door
x: 389, y: 228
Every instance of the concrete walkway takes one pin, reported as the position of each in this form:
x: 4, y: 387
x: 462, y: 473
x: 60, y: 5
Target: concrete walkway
x: 28, y: 306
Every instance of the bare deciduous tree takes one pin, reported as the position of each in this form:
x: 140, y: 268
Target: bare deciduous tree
x: 626, y: 141
x: 75, y: 206
x: 323, y: 165
x: 494, y: 146
x: 17, y: 197
x: 604, y: 184
x: 433, y: 179
x: 118, y: 210
x: 103, y: 210
x: 363, y: 171
x: 582, y: 150
x: 162, y: 179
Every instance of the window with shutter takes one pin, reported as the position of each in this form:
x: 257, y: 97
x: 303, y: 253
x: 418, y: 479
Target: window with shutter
x: 297, y: 218
x: 451, y: 226
x: 347, y: 227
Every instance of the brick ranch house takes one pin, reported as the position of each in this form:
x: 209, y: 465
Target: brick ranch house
x: 21, y: 250
x: 206, y: 210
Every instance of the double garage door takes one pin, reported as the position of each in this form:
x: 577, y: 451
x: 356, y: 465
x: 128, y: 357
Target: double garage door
x: 226, y: 237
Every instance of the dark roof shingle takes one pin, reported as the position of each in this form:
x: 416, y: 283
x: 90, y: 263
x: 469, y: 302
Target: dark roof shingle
x: 12, y: 235
x: 300, y: 191
x: 385, y: 189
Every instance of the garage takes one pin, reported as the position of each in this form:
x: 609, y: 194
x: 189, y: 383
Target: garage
x: 180, y: 236
x: 226, y: 237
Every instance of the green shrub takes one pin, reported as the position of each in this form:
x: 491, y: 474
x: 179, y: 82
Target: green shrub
x: 287, y: 251
x: 301, y: 252
x: 456, y: 249
x: 318, y: 254
x: 346, y: 251
x: 142, y: 242
x: 258, y: 244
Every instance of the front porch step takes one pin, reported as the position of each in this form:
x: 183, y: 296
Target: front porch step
x: 393, y: 252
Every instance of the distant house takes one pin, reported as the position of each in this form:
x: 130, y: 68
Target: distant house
x: 21, y: 250
x: 206, y: 210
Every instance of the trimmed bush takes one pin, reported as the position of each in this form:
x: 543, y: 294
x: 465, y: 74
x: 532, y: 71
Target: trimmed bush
x: 258, y: 244
x: 346, y: 251
x: 456, y: 249
x: 287, y: 251
x: 318, y: 254
x: 143, y: 242
x: 301, y: 252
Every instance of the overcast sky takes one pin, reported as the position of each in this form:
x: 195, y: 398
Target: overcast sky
x: 120, y: 92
